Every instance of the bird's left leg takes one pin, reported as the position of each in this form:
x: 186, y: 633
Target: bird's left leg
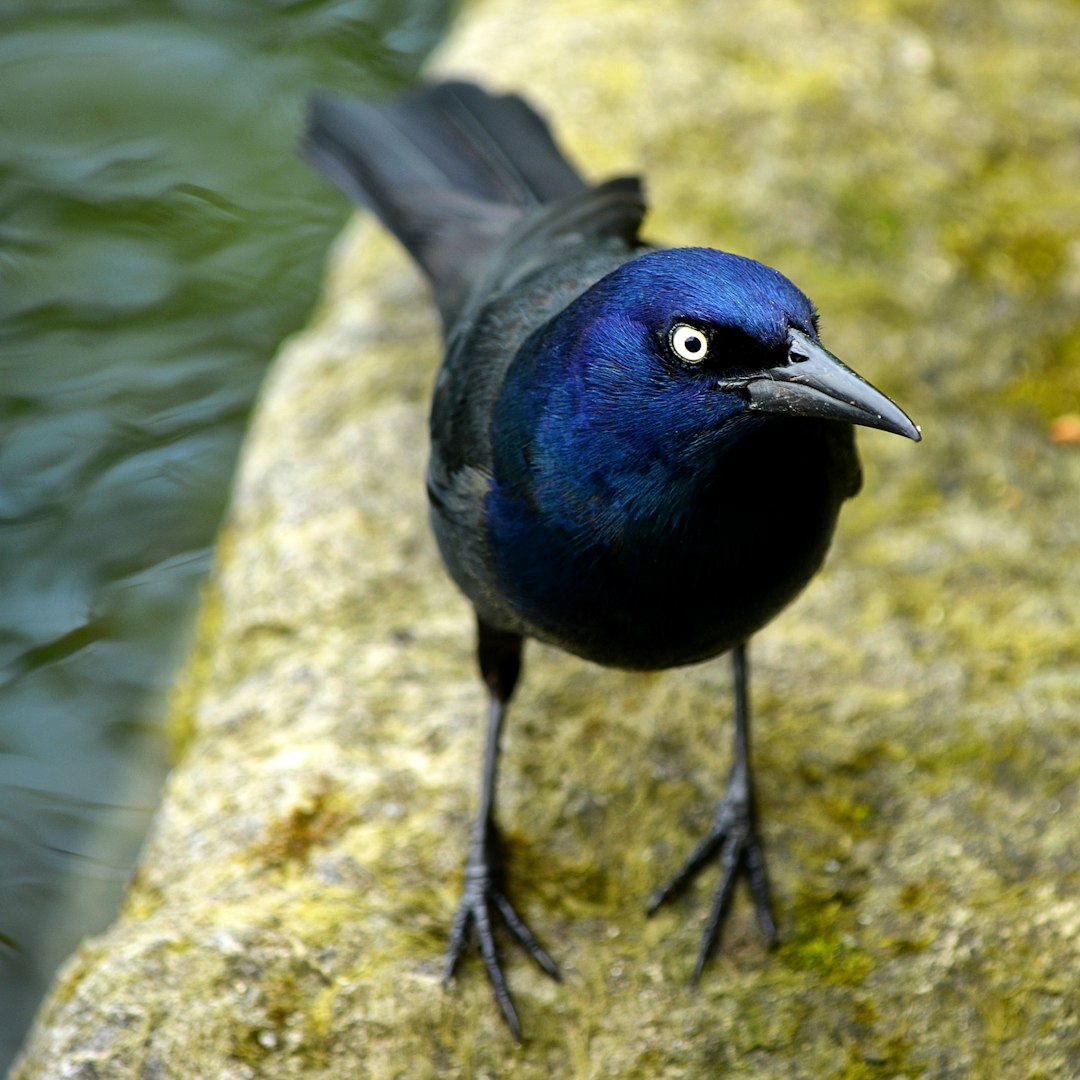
x: 484, y: 893
x: 733, y: 835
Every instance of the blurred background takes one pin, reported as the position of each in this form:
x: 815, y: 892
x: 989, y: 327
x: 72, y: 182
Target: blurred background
x: 159, y: 236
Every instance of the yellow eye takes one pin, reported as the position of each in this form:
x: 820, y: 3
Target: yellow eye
x: 689, y: 343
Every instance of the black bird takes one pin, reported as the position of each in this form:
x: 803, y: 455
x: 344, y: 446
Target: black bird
x: 637, y: 455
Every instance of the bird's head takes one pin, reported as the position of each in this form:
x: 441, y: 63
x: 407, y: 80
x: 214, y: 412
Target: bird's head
x: 710, y: 337
x: 646, y: 380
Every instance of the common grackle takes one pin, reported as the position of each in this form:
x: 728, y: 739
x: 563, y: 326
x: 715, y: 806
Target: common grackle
x: 637, y: 454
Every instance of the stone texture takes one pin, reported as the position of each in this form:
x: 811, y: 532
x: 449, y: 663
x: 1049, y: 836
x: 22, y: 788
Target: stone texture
x: 913, y: 166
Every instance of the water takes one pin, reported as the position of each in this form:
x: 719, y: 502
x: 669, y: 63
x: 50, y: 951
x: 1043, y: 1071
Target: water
x: 158, y: 238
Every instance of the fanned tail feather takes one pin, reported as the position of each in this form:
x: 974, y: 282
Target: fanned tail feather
x: 448, y: 168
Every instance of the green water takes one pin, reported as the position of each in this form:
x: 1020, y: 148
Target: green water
x: 158, y: 238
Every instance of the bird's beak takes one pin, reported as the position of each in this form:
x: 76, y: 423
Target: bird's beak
x: 814, y: 383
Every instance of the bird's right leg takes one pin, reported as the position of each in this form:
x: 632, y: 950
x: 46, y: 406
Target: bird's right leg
x: 499, y: 654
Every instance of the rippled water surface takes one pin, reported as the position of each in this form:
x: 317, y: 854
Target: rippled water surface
x: 158, y: 238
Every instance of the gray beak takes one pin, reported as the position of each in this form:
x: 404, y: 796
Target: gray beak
x: 814, y: 383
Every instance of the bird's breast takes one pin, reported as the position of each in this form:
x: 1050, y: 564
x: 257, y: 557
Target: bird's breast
x: 661, y: 584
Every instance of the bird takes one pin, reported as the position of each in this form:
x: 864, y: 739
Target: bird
x: 638, y: 454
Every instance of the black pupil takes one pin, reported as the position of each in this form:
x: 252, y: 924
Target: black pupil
x: 692, y: 343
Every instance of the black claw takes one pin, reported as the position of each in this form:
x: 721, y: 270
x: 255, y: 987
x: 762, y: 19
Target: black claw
x: 730, y: 859
x: 697, y: 860
x: 758, y: 878
x: 454, y: 947
x: 480, y: 898
x: 482, y: 921
x: 525, y: 936
x: 735, y: 837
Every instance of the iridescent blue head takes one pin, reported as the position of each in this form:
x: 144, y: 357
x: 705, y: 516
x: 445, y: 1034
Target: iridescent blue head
x: 741, y: 309
x: 660, y: 366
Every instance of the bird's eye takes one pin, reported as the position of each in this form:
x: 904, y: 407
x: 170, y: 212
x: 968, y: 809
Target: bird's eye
x: 688, y: 343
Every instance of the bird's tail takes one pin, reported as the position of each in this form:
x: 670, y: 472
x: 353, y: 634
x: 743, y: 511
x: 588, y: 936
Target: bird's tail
x: 449, y: 169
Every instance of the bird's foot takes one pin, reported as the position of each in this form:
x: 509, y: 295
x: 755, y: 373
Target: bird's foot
x: 734, y: 837
x: 482, y: 897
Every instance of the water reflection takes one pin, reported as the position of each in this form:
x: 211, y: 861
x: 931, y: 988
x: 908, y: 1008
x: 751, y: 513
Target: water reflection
x: 158, y: 238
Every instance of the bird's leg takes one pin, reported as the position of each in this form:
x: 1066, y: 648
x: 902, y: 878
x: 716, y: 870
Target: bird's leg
x: 733, y: 835
x: 499, y: 654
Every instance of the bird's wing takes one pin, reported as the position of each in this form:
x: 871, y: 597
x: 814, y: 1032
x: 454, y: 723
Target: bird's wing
x: 569, y: 244
x: 545, y: 263
x: 548, y: 260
